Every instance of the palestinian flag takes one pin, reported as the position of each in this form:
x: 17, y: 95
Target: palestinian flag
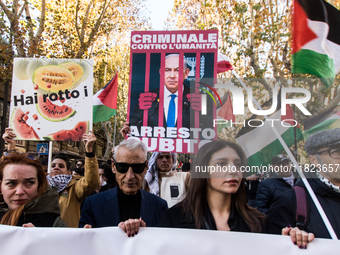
x: 105, y: 101
x: 223, y: 63
x: 316, y: 39
x: 260, y: 143
x: 225, y: 113
x: 329, y: 119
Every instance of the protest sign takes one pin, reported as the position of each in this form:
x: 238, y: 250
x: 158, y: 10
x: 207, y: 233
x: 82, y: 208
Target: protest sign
x: 51, y: 99
x: 151, y: 241
x: 168, y: 72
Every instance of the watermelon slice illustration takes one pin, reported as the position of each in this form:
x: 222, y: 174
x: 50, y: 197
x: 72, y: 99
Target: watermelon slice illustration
x: 53, y: 112
x: 75, y: 134
x: 20, y: 127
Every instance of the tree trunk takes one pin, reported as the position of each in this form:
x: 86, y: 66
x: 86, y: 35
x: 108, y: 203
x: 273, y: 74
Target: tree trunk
x: 107, y: 127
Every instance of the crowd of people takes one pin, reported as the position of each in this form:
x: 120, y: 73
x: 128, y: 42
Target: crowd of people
x: 135, y: 191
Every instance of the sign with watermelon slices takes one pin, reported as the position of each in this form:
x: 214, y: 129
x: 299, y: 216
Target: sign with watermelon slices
x: 51, y: 99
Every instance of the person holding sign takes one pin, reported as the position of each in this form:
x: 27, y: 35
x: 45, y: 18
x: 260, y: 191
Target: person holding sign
x: 216, y: 200
x: 127, y: 205
x: 150, y: 100
x: 74, y: 189
x: 27, y: 200
x: 9, y: 136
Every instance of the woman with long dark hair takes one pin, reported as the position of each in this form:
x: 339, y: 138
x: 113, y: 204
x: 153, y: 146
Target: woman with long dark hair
x: 26, y: 197
x: 213, y: 202
x: 216, y: 197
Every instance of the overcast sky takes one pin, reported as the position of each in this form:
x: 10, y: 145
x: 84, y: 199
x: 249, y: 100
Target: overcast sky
x: 158, y: 12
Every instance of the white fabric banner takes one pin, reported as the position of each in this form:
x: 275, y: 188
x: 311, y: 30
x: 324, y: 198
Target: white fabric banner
x: 112, y: 240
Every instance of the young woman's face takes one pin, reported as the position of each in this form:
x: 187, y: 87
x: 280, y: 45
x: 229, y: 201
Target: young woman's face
x: 59, y: 167
x: 227, y: 176
x: 19, y: 184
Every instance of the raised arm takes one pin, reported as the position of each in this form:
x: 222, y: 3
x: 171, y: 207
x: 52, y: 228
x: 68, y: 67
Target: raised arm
x: 88, y: 184
x: 9, y: 136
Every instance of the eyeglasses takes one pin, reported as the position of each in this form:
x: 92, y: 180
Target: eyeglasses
x: 137, y: 168
x: 333, y: 153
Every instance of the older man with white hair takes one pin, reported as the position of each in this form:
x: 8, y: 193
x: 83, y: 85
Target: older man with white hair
x: 127, y: 205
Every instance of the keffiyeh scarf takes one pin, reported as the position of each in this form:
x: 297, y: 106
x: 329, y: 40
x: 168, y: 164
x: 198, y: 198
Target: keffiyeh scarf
x: 152, y: 175
x: 59, y: 182
x: 328, y: 182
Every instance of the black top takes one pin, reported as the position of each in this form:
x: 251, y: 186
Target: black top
x: 129, y: 205
x: 175, y: 218
x: 283, y: 210
x: 268, y: 190
x: 42, y: 211
x: 39, y: 220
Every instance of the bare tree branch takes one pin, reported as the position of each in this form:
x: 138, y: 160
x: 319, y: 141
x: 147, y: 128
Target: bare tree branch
x: 15, y: 7
x: 18, y: 39
x: 284, y: 57
x: 335, y: 101
x: 277, y: 71
x: 42, y: 20
x: 34, y: 39
x: 22, y: 9
x: 29, y: 21
x: 107, y: 128
x: 6, y: 10
x: 86, y: 17
x: 77, y: 28
x: 94, y: 31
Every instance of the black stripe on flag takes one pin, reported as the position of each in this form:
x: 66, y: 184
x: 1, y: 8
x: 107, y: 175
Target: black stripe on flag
x: 320, y: 10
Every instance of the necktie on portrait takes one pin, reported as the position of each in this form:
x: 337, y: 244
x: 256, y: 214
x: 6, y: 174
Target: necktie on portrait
x: 171, y: 112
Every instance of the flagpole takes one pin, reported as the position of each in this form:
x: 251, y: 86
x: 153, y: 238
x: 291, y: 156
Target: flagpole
x: 295, y: 142
x: 114, y: 132
x: 50, y: 151
x: 296, y: 165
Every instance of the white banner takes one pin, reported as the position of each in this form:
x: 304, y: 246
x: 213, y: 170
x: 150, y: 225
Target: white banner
x: 112, y: 240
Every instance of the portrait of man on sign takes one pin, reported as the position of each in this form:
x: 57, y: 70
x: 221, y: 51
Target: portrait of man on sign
x: 150, y: 101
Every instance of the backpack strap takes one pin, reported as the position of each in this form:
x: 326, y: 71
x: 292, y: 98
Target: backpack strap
x: 56, y: 221
x: 301, y: 207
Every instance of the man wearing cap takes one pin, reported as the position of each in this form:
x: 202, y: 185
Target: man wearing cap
x: 281, y: 180
x: 161, y: 181
x: 323, y: 175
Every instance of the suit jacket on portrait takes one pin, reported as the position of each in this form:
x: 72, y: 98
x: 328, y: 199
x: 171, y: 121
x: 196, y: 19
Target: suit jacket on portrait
x: 153, y: 112
x: 102, y: 209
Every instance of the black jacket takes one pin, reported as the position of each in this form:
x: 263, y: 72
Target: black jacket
x: 137, y: 118
x: 283, y: 210
x: 267, y: 191
x: 175, y: 218
x: 43, y: 211
x: 102, y: 209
